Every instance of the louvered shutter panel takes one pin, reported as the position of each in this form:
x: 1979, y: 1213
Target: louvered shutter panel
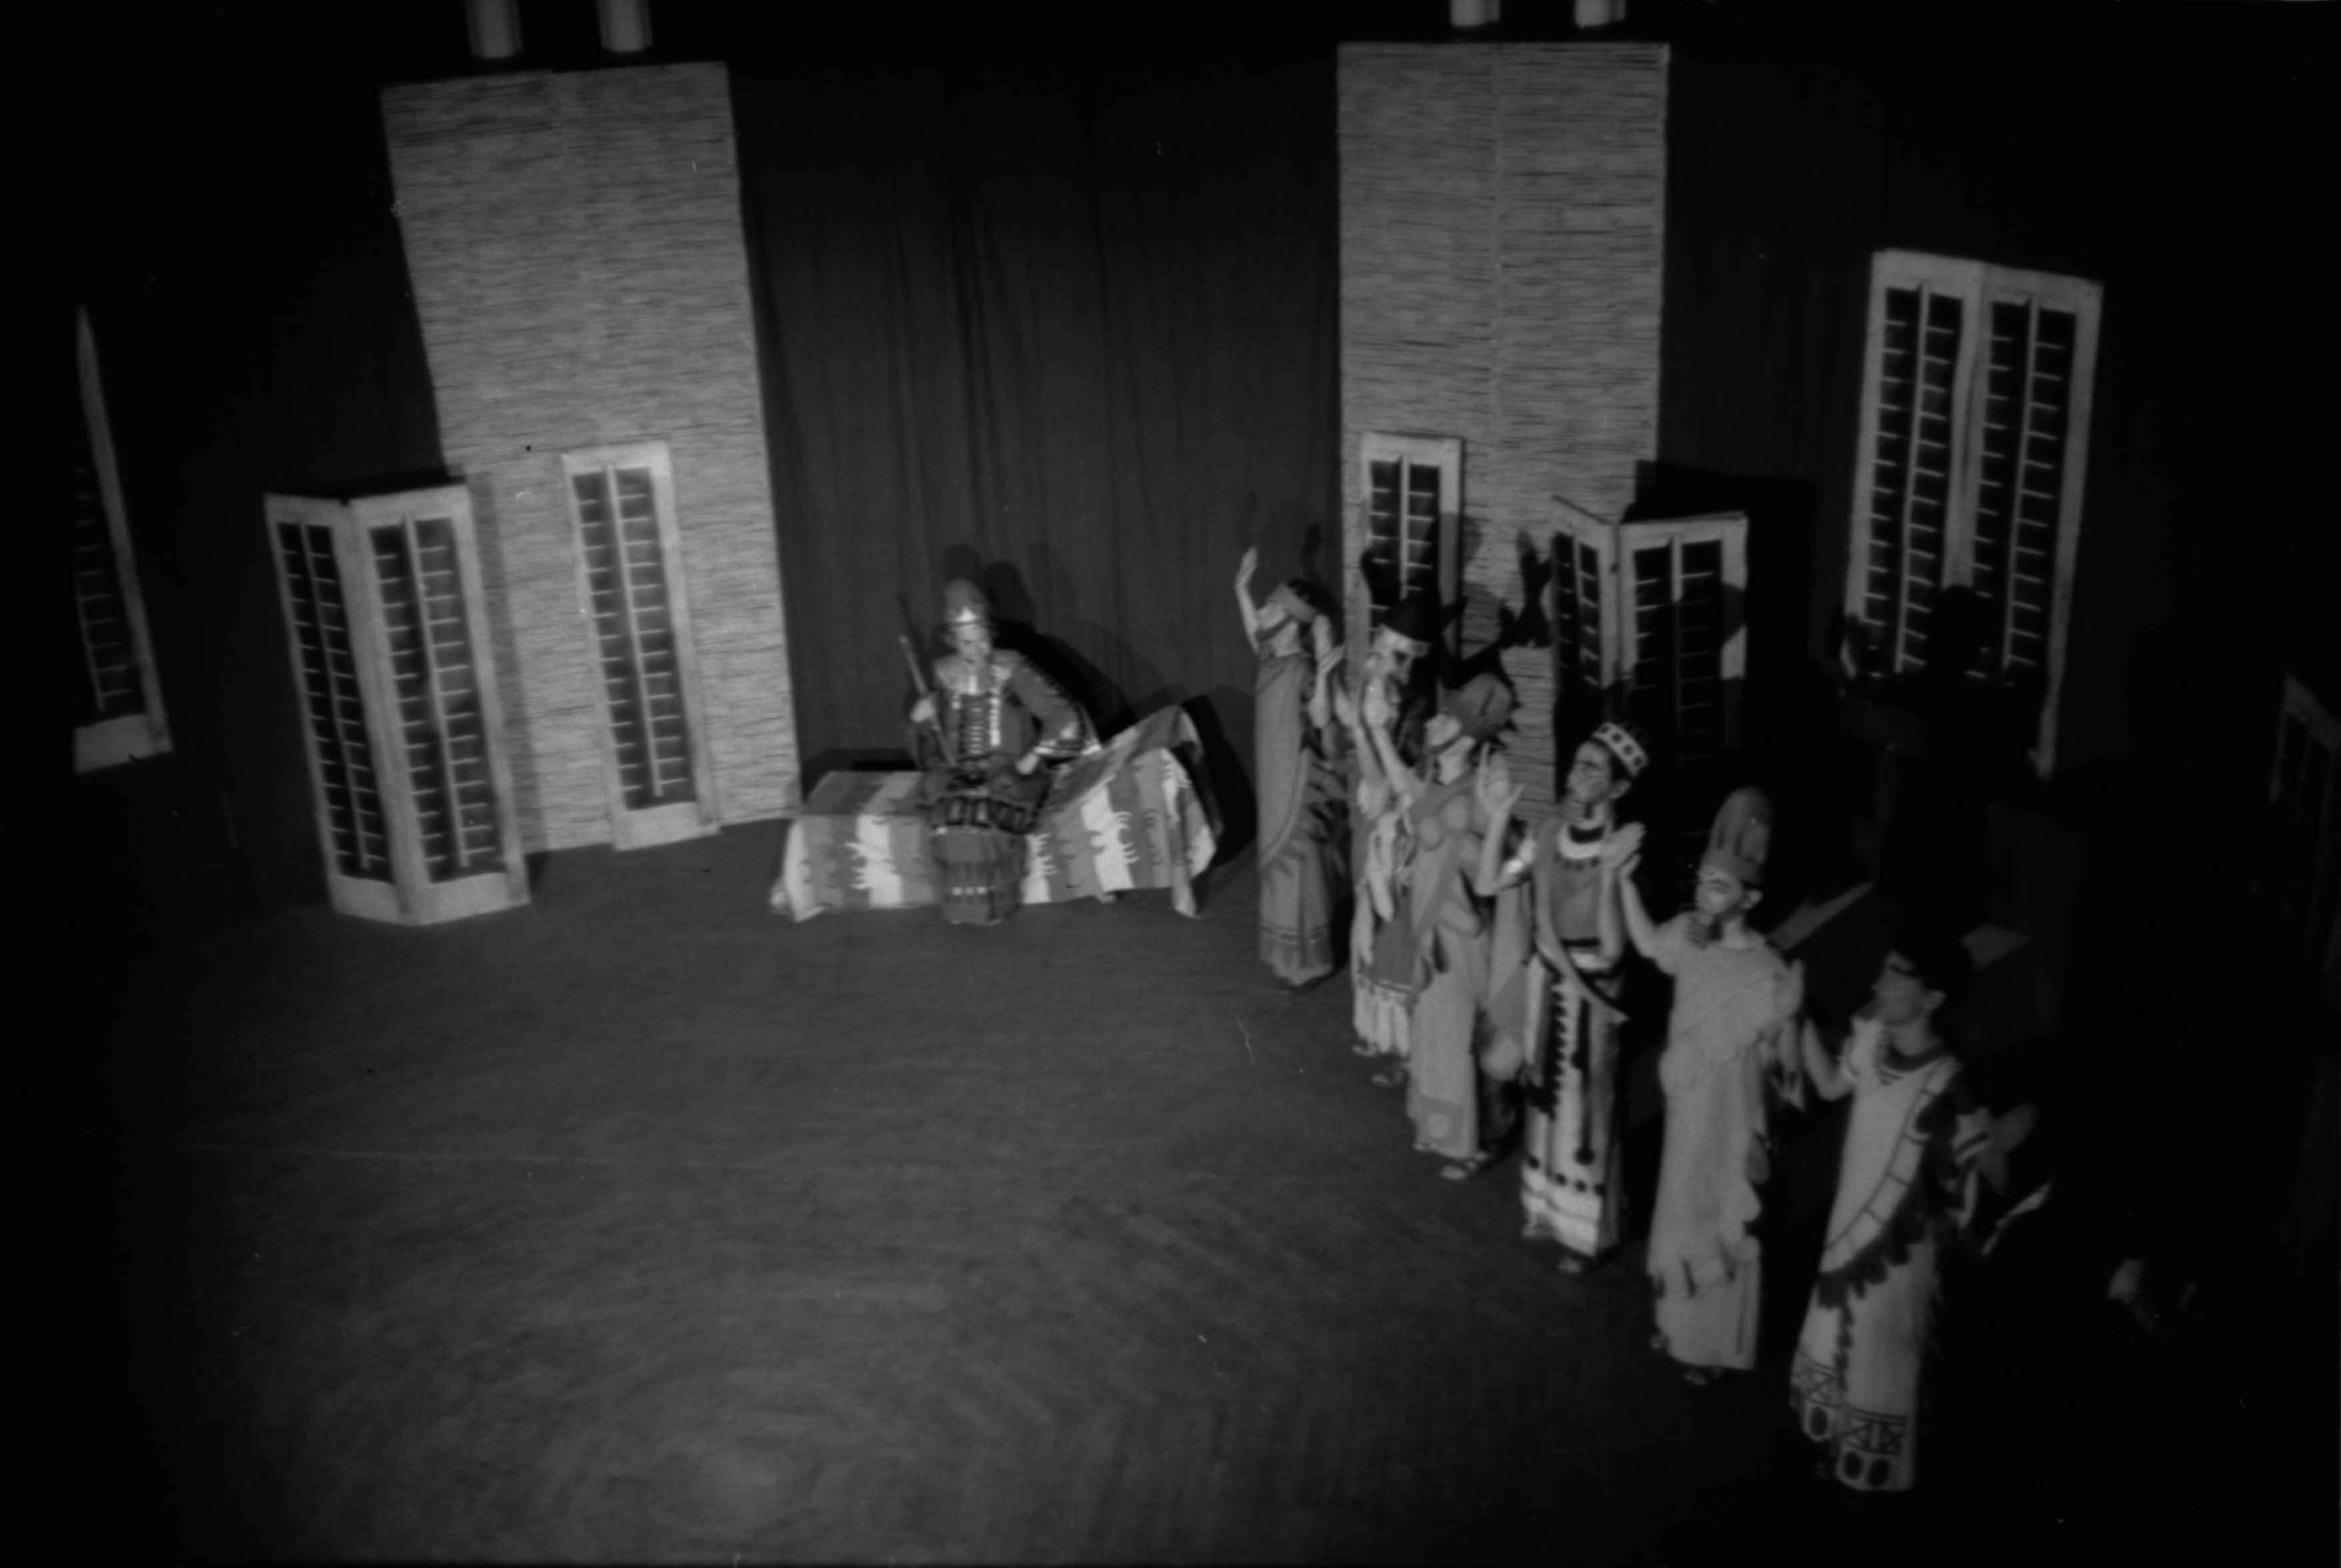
x: 109, y: 657
x: 119, y: 708
x: 452, y: 782
x: 630, y: 567
x: 1386, y: 524
x: 2031, y: 425
x: 1918, y: 366
x: 1584, y: 611
x: 351, y: 822
x: 400, y: 704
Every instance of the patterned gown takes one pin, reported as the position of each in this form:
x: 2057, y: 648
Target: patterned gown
x: 1570, y: 1169
x: 1465, y: 948
x: 1384, y: 967
x: 1906, y: 1183
x: 1303, y: 838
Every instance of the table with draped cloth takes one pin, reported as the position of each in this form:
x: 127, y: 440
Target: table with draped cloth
x: 1125, y: 817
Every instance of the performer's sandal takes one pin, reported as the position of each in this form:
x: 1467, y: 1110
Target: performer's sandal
x: 1465, y: 1168
x: 1390, y: 1079
x: 1700, y: 1376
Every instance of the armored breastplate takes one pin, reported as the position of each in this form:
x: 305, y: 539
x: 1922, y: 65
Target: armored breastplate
x: 976, y: 728
x: 976, y: 692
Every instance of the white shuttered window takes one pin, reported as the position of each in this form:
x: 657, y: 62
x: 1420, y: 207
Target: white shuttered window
x: 399, y: 704
x: 1969, y: 472
x: 656, y: 760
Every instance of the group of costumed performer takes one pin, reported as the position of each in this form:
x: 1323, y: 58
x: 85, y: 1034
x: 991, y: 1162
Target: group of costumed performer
x: 988, y: 735
x: 1495, y: 958
x: 1302, y: 830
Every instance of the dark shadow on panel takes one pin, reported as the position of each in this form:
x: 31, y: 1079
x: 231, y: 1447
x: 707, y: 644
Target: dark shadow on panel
x: 850, y: 759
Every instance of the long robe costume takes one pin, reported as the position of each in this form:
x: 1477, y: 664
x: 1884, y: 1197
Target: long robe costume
x: 1468, y: 956
x: 1705, y: 1261
x: 981, y: 810
x: 1906, y: 1183
x: 1303, y: 840
x: 1570, y: 1167
x: 1384, y: 968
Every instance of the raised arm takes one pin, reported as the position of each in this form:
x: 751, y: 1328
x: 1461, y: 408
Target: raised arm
x: 1328, y: 660
x: 1245, y: 568
x: 1822, y: 1069
x: 1499, y: 796
x: 1403, y: 782
x: 1619, y: 855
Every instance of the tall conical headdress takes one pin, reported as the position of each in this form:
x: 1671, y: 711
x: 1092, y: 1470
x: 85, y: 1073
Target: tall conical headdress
x: 1741, y: 836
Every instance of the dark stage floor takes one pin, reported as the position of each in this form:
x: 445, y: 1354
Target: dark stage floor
x: 642, y: 1224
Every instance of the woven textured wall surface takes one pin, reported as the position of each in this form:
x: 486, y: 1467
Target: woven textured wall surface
x: 575, y: 247
x: 1502, y: 226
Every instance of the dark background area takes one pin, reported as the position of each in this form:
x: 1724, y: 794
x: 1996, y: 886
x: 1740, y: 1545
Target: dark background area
x: 1055, y: 299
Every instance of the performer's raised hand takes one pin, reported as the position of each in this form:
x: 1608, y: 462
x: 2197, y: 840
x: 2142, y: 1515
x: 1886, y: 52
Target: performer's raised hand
x: 1377, y: 706
x: 1493, y: 785
x: 923, y: 709
x: 1328, y: 652
x: 1249, y: 565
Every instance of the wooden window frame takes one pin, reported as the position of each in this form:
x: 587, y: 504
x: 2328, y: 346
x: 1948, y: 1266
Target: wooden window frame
x: 1979, y: 287
x: 126, y: 737
x: 635, y: 828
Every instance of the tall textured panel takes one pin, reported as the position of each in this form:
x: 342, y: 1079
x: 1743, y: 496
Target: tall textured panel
x: 1502, y: 211
x: 579, y: 266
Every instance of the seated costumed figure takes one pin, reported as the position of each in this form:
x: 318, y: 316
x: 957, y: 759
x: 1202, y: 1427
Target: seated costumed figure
x: 988, y: 736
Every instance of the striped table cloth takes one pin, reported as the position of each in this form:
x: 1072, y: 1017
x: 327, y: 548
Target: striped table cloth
x: 1125, y: 817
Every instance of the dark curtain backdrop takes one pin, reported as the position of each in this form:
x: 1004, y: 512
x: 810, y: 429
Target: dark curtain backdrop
x: 1071, y: 334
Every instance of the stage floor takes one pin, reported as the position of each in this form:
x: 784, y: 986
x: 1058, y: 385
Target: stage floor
x: 637, y: 1225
